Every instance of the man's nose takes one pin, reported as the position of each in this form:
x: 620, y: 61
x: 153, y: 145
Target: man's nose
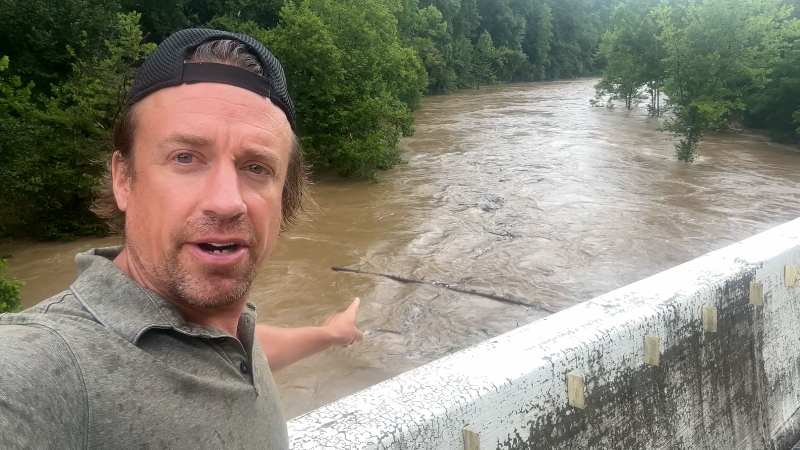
x: 222, y: 196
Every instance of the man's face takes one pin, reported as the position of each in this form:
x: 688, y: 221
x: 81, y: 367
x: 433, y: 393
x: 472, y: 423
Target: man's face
x: 203, y: 209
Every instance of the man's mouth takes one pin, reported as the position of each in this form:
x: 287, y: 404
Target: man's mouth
x: 219, y: 248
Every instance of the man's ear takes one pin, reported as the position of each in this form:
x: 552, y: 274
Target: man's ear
x: 121, y: 181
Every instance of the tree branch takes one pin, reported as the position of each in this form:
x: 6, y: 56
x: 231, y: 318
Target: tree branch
x: 541, y: 306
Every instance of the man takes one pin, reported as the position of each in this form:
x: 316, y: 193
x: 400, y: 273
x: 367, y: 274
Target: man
x: 154, y: 345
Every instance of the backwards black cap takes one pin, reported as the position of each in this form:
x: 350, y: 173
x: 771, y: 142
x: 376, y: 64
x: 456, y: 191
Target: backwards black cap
x: 166, y: 67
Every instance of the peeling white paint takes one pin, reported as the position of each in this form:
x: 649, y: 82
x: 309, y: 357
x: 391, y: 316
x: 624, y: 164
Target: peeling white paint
x: 736, y: 388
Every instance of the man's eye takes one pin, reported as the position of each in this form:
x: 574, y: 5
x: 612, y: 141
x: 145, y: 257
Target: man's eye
x: 185, y: 158
x: 257, y: 169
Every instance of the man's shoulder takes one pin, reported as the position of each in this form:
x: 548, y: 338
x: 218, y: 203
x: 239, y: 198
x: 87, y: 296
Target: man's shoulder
x: 42, y: 383
x: 45, y: 326
x: 58, y: 308
x: 26, y: 338
x: 40, y: 330
x: 37, y: 341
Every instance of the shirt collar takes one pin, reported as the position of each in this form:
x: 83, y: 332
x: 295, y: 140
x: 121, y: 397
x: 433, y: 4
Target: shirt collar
x: 122, y: 305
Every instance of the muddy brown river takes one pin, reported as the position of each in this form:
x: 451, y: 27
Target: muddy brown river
x: 524, y: 191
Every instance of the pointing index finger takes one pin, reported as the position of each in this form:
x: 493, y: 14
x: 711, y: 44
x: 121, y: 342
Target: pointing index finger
x: 354, y: 306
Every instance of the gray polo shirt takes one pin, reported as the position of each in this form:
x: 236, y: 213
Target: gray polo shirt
x: 109, y: 364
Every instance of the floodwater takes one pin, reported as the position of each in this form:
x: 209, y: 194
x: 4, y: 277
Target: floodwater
x: 523, y: 191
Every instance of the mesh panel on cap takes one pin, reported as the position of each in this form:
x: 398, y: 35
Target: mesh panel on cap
x: 164, y: 66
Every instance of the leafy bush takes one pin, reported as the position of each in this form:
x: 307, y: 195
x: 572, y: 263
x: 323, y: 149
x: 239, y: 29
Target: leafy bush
x: 9, y: 292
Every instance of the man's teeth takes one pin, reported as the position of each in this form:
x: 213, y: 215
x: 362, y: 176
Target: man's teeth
x: 218, y: 249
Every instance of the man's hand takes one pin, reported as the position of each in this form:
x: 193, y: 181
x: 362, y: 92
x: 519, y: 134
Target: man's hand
x: 342, y: 326
x: 286, y: 346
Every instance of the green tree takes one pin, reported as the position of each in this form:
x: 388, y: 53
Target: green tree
x: 50, y: 145
x: 632, y: 55
x: 537, y: 40
x: 623, y: 76
x: 796, y: 117
x: 161, y: 18
x: 484, y: 60
x: 716, y: 52
x: 425, y: 31
x: 351, y: 78
x: 575, y: 38
x: 456, y: 46
x: 491, y: 64
x: 35, y: 35
x: 773, y: 107
x: 266, y: 13
x: 504, y: 21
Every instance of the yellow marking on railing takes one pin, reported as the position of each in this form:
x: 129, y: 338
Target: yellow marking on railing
x: 471, y: 439
x: 791, y: 275
x: 652, y: 350
x: 577, y: 397
x: 756, y: 294
x: 709, y: 319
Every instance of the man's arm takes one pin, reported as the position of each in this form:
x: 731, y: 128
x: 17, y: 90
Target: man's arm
x: 285, y: 346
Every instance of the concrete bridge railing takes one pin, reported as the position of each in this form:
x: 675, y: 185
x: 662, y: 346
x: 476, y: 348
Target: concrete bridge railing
x: 702, y: 356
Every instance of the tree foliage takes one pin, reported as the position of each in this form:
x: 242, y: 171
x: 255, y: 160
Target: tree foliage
x: 35, y: 35
x: 9, y: 292
x: 633, y: 54
x: 715, y: 60
x: 50, y: 145
x: 355, y: 98
x: 356, y: 70
x: 777, y: 106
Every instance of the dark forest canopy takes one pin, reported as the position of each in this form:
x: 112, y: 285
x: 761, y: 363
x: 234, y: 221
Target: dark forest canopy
x: 356, y: 70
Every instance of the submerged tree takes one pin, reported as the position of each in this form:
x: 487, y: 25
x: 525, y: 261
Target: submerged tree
x: 712, y: 59
x: 633, y: 56
x: 716, y: 52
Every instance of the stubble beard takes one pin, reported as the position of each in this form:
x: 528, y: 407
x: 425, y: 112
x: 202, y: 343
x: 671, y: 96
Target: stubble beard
x: 213, y: 287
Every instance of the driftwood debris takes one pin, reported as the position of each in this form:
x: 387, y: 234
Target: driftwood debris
x: 542, y: 307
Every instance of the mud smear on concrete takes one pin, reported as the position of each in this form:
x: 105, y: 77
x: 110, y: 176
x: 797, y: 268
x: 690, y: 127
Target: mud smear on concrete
x: 707, y: 391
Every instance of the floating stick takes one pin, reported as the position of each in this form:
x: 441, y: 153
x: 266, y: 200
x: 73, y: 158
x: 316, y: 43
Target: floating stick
x: 542, y: 307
